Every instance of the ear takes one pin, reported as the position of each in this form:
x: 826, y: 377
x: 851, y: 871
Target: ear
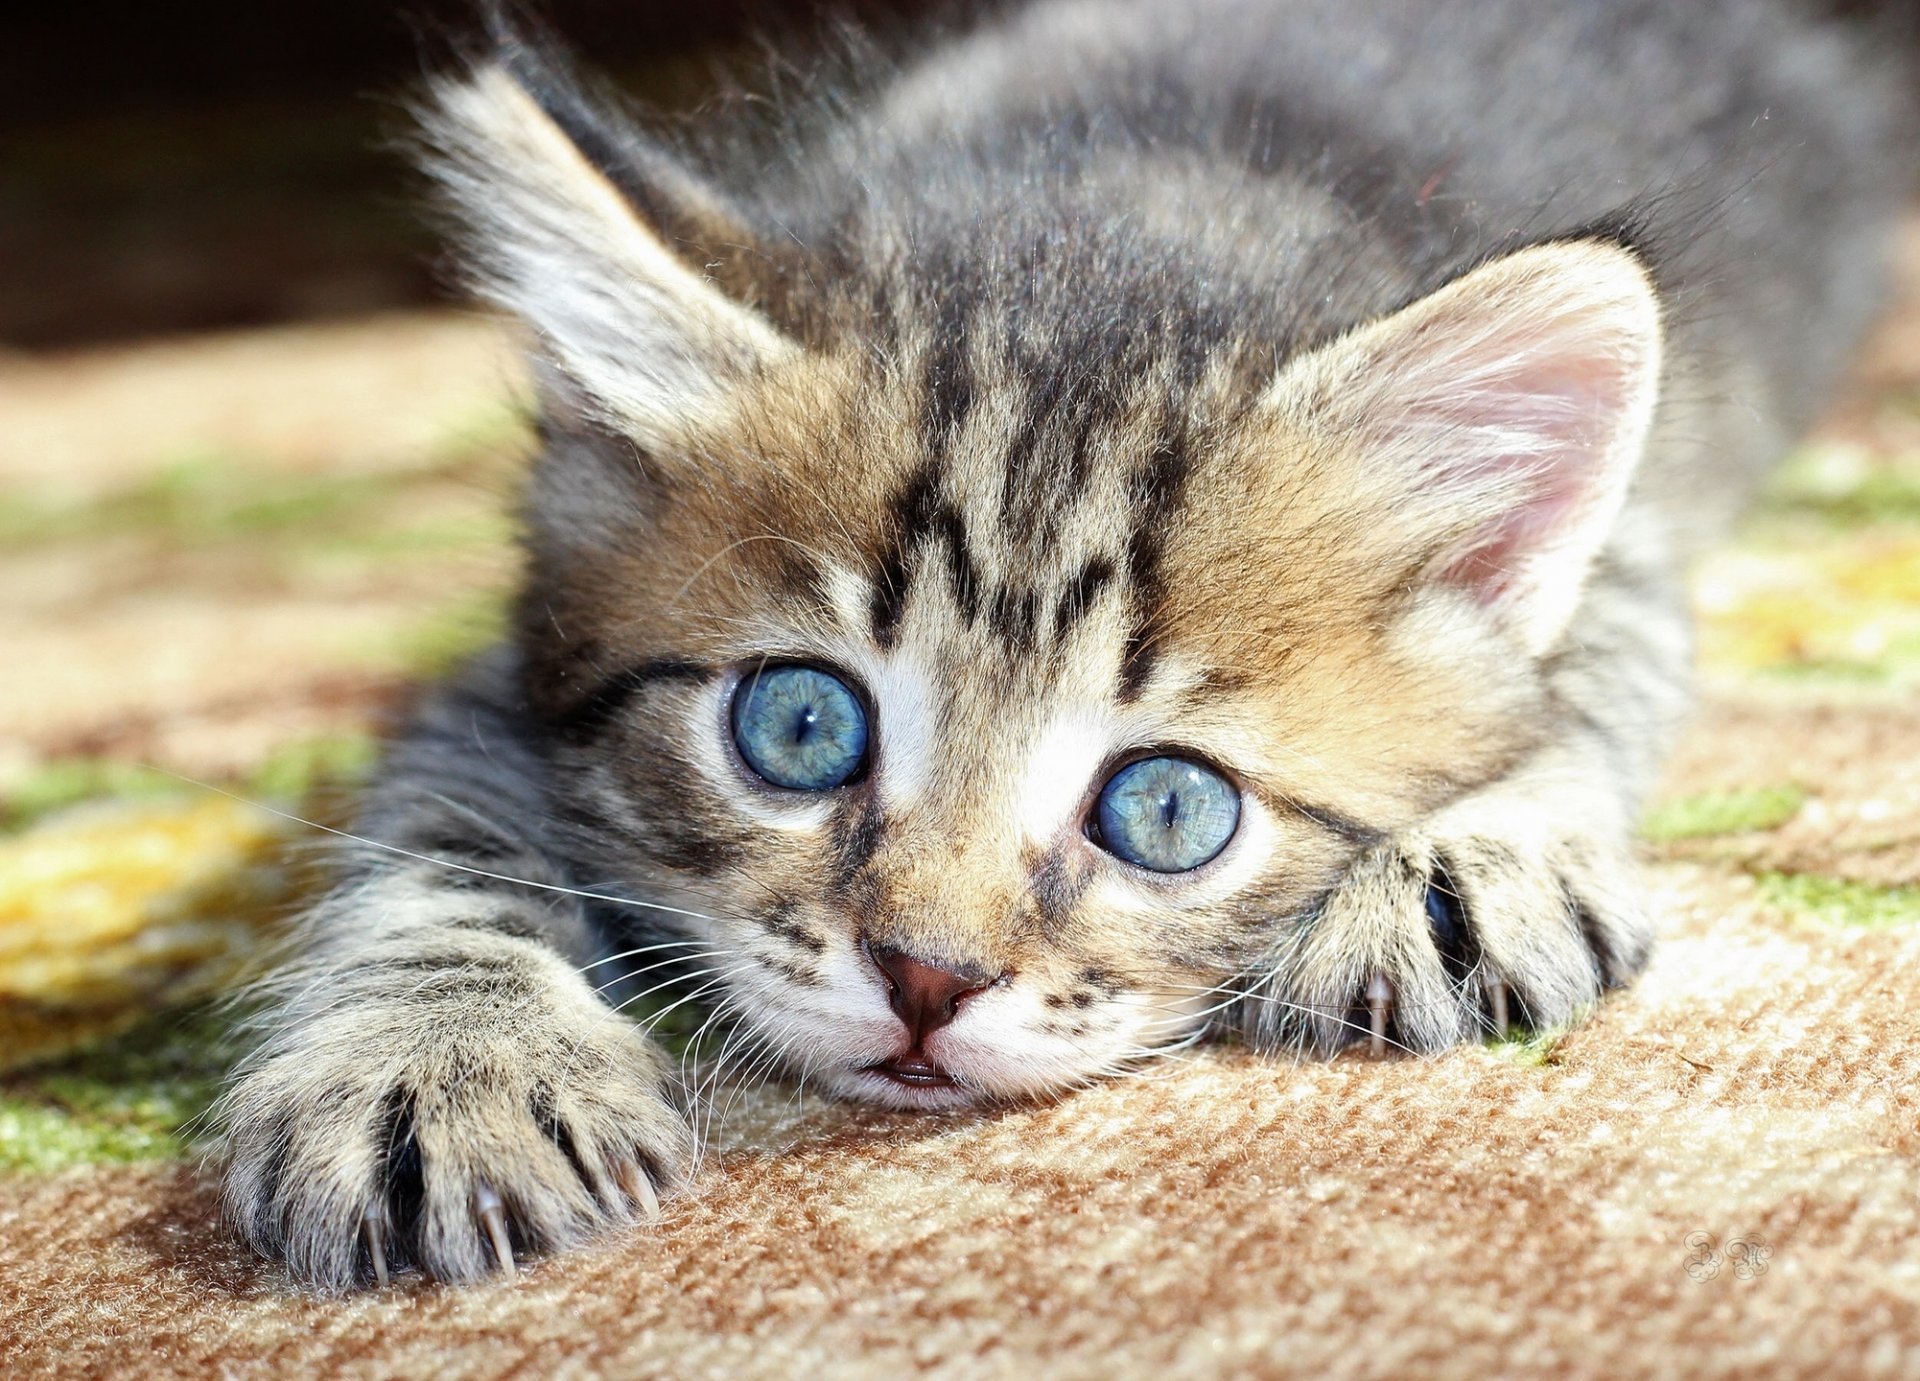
x: 1499, y: 422
x: 592, y: 236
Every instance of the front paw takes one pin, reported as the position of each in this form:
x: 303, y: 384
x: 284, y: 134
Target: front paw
x: 446, y: 1111
x: 1501, y: 912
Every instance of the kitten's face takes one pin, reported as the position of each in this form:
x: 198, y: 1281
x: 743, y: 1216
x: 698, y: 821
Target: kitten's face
x: 1023, y: 514
x: 1022, y: 602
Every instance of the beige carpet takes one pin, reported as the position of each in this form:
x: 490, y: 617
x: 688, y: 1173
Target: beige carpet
x: 1529, y: 1208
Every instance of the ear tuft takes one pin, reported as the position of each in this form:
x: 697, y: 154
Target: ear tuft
x: 1502, y: 419
x: 566, y: 231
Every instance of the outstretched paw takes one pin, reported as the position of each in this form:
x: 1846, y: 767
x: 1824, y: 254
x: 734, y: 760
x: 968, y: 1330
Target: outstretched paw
x: 454, y: 1122
x: 1485, y: 921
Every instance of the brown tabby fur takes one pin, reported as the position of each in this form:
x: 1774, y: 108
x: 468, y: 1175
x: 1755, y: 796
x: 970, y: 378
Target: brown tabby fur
x: 1119, y: 380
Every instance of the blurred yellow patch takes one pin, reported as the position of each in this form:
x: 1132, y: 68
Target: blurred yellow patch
x: 110, y: 911
x: 1846, y: 605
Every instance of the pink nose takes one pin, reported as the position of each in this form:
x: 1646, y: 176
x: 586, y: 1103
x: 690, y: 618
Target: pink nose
x: 926, y: 996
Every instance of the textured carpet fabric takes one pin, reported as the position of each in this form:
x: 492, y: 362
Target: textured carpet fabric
x: 1719, y: 1175
x: 1493, y: 1212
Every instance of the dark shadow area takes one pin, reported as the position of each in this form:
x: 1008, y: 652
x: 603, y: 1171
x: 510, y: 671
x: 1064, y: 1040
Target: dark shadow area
x: 212, y: 164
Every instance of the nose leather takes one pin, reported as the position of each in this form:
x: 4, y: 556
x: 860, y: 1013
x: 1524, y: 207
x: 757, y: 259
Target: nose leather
x: 926, y: 996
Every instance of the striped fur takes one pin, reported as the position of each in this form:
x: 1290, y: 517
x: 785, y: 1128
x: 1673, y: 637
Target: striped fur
x: 1331, y: 397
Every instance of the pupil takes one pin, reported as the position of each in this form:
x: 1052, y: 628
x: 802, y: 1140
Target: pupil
x: 1170, y: 809
x: 803, y: 724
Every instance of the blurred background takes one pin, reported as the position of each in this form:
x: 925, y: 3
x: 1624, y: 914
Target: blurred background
x: 206, y: 164
x: 214, y: 163
x: 256, y: 479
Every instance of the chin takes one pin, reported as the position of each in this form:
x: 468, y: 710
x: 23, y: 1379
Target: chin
x: 884, y: 1090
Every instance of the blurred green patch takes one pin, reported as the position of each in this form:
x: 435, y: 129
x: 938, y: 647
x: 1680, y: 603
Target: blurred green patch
x: 1722, y: 812
x: 1839, y: 673
x: 296, y: 771
x: 129, y: 1100
x: 1530, y: 1049
x: 1895, y: 662
x: 434, y: 537
x: 195, y: 500
x: 1837, y: 611
x: 55, y: 785
x: 288, y: 777
x: 1839, y: 901
x: 449, y: 504
x: 1844, y: 486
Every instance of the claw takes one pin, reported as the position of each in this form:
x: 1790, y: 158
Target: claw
x: 494, y: 1214
x: 1496, y: 991
x: 1379, y: 1008
x: 639, y: 1187
x: 373, y: 1226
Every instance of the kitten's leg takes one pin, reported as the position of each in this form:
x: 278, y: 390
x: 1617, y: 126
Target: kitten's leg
x: 1519, y: 903
x: 438, y: 1082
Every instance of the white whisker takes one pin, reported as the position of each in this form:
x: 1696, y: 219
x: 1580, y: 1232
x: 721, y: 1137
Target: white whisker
x: 399, y: 852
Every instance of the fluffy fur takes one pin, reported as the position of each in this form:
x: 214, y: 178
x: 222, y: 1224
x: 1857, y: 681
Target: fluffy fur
x: 1333, y: 393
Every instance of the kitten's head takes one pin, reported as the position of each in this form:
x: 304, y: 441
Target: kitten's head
x: 993, y: 658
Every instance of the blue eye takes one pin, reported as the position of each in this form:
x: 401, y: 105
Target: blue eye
x: 800, y: 728
x: 1167, y: 814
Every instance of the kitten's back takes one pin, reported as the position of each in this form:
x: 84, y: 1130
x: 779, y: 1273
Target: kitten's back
x: 1286, y: 168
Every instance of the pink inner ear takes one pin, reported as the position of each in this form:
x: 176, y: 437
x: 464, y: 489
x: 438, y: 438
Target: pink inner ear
x: 1502, y: 418
x: 1491, y: 568
x: 1520, y: 440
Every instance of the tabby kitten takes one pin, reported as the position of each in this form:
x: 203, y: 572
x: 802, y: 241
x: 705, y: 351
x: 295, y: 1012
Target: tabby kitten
x: 1155, y: 519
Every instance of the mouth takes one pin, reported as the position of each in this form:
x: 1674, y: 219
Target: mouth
x: 912, y: 1070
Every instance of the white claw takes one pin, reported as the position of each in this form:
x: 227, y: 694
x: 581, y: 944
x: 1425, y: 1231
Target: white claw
x: 494, y: 1214
x: 1379, y: 1008
x: 1496, y: 991
x: 373, y: 1225
x: 639, y: 1187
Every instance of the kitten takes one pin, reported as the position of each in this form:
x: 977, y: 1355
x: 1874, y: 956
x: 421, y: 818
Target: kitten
x: 1157, y: 519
